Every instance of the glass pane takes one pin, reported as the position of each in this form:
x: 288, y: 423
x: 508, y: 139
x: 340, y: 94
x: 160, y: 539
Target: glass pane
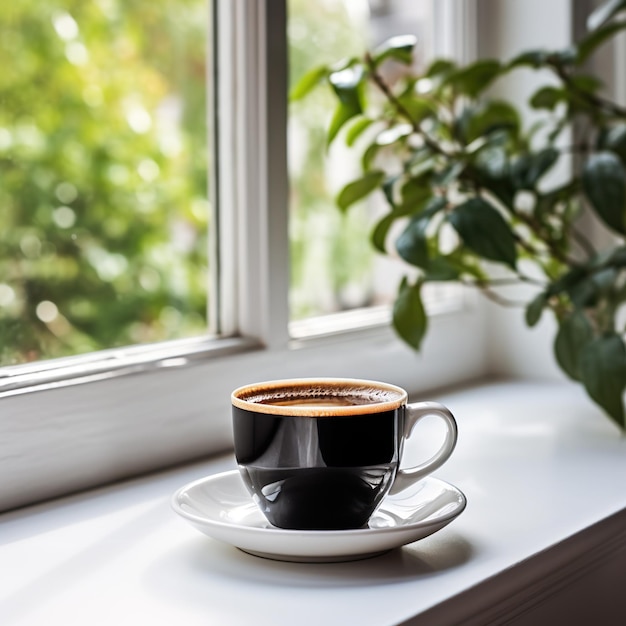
x: 103, y: 174
x: 334, y: 267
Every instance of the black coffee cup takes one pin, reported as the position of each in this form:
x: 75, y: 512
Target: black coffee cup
x: 321, y: 454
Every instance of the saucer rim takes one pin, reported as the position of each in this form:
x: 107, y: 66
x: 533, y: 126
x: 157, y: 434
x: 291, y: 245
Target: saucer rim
x: 203, y: 520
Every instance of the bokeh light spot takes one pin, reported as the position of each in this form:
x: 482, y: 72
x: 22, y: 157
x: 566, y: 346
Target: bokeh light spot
x: 66, y: 192
x: 65, y: 26
x: 76, y: 53
x: 30, y: 245
x: 64, y: 217
x: 148, y: 170
x: 47, y: 311
x: 7, y: 295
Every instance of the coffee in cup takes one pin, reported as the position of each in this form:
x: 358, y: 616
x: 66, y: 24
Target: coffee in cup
x: 321, y: 454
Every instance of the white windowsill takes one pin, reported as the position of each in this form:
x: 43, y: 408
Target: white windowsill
x: 544, y: 476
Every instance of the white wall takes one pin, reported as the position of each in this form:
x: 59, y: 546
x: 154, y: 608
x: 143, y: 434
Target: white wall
x: 505, y: 28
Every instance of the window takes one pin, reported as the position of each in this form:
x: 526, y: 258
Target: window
x: 334, y: 268
x: 77, y: 421
x: 104, y: 192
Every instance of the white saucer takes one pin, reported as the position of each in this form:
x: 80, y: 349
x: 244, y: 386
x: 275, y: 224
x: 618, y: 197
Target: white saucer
x: 221, y: 507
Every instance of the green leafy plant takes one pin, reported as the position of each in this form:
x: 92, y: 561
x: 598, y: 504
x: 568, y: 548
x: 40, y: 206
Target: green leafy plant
x: 467, y: 185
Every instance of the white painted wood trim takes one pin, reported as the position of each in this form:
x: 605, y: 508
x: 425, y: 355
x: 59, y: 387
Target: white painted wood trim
x: 62, y: 438
x: 456, y: 29
x: 253, y: 180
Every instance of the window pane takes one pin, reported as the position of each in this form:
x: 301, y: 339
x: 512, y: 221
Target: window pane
x: 103, y: 174
x: 334, y: 267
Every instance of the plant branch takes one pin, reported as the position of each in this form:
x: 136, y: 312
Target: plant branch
x: 526, y: 245
x: 514, y: 280
x: 531, y: 281
x: 536, y: 228
x: 492, y: 295
x: 592, y: 99
x: 402, y: 110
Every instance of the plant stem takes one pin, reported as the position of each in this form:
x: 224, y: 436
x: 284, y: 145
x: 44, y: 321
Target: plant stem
x: 417, y: 129
x: 592, y: 99
x: 532, y: 281
x: 526, y: 245
x: 536, y: 228
x: 491, y: 295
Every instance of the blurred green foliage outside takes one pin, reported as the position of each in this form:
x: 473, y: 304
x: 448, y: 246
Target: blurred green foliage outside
x: 331, y: 259
x: 103, y: 174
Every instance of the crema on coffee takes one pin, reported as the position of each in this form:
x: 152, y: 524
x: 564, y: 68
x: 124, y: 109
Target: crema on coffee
x: 320, y: 396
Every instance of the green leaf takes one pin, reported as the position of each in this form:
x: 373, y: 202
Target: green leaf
x: 346, y: 84
x: 417, y: 107
x: 369, y: 154
x: 394, y: 134
x: 604, y: 13
x: 448, y: 174
x: 346, y: 80
x: 415, y: 190
x: 440, y: 67
x: 533, y: 58
x: 591, y: 289
x: 357, y: 129
x: 586, y: 83
x: 594, y: 40
x: 388, y: 189
x: 400, y: 48
x: 535, y: 309
x: 308, y: 82
x: 541, y: 57
x: 379, y: 234
x: 409, y: 316
x: 420, y: 207
x: 434, y: 205
x: 567, y: 56
x: 451, y: 266
x: 603, y: 372
x: 528, y: 169
x: 492, y: 171
x: 618, y: 257
x: 412, y: 245
x: 548, y: 98
x: 541, y: 163
x: 604, y: 183
x: 493, y: 162
x: 489, y: 117
x: 342, y: 114
x: 359, y: 189
x: 474, y: 78
x: 423, y: 168
x: 574, y: 334
x: 484, y: 230
x: 615, y: 141
x: 443, y: 268
x: 426, y: 207
x: 567, y: 281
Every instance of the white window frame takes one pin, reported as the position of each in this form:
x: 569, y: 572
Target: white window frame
x: 73, y: 423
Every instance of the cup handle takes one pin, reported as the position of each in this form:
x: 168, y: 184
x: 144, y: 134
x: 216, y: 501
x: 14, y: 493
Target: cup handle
x: 413, y: 414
